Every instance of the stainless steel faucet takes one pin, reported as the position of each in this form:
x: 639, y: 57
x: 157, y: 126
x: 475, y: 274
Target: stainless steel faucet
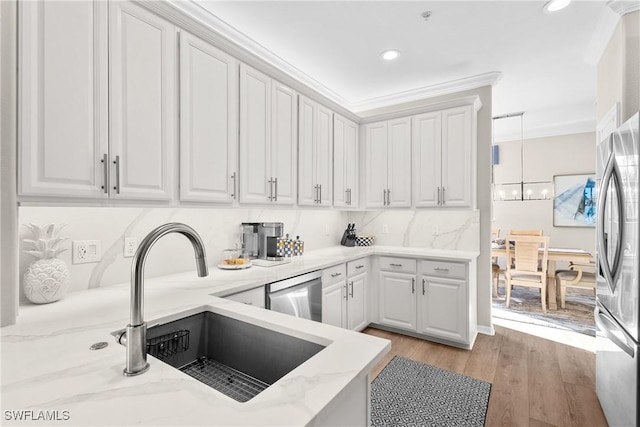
x: 136, y: 334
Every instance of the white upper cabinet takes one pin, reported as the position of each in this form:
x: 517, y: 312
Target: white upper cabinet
x: 345, y: 162
x: 442, y: 162
x: 388, y: 163
x: 284, y: 141
x: 268, y: 120
x: 208, y: 122
x: 142, y: 79
x: 315, y: 148
x: 63, y: 98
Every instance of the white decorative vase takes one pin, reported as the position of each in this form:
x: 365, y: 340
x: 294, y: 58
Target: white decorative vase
x: 46, y: 280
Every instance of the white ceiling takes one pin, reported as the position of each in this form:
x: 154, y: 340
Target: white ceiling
x: 545, y: 64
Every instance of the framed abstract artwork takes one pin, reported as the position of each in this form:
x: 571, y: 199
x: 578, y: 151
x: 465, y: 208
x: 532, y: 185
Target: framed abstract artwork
x: 574, y: 204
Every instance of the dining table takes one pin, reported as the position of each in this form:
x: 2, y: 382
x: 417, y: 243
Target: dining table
x: 554, y: 255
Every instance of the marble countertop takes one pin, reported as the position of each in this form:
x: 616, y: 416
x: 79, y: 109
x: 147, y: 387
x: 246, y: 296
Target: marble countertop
x: 47, y: 364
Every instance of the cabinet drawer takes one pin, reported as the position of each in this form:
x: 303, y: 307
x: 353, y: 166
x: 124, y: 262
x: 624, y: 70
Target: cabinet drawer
x: 404, y: 265
x: 357, y: 267
x: 253, y: 297
x: 456, y: 270
x: 334, y: 275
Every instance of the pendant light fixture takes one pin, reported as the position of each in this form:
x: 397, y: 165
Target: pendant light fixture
x: 520, y: 191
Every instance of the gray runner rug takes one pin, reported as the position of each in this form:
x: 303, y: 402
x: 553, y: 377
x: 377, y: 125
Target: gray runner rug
x: 410, y: 393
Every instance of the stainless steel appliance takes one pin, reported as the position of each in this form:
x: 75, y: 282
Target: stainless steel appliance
x: 617, y: 306
x: 299, y: 296
x: 260, y: 239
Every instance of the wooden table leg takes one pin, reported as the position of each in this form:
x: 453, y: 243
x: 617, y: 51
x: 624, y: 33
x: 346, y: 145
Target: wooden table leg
x: 551, y: 286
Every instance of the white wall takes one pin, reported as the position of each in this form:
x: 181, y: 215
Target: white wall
x: 543, y: 159
x: 219, y: 229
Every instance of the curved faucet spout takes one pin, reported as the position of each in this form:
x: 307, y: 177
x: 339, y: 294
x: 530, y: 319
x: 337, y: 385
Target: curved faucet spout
x: 136, y: 362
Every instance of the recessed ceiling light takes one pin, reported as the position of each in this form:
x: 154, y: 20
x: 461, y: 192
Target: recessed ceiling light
x: 555, y: 5
x: 389, y: 55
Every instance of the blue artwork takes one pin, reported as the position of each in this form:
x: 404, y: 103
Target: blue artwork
x: 575, y: 201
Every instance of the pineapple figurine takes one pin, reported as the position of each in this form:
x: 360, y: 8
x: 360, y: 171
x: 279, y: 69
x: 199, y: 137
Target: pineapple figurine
x: 46, y: 279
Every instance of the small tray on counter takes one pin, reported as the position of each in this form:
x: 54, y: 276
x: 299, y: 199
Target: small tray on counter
x: 246, y: 264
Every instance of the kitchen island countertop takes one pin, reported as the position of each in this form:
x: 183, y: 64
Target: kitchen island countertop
x: 48, y: 369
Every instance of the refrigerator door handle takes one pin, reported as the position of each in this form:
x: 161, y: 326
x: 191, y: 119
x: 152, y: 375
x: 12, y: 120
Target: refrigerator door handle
x: 610, y: 273
x: 608, y: 326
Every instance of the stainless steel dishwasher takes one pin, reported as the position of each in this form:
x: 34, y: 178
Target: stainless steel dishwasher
x: 299, y: 296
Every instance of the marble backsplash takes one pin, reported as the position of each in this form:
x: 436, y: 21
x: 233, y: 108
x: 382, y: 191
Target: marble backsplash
x: 434, y: 229
x: 220, y: 229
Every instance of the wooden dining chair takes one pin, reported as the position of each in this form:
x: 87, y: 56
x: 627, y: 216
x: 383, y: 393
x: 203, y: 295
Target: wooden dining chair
x: 526, y: 269
x: 579, y: 275
x: 526, y: 232
x: 496, y: 270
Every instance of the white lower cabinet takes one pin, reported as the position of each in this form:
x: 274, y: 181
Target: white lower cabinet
x: 344, y: 302
x: 438, y: 306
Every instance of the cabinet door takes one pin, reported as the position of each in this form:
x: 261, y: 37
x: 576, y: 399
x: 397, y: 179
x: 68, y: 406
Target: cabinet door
x: 426, y: 139
x: 444, y: 308
x: 323, y: 155
x: 456, y: 156
x: 208, y: 124
x: 63, y: 98
x: 255, y: 135
x: 142, y: 92
x: 397, y: 301
x: 334, y: 305
x: 399, y: 163
x: 345, y: 162
x: 356, y: 302
x: 375, y: 164
x: 307, y: 190
x: 284, y: 113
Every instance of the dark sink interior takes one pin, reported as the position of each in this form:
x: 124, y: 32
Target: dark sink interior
x: 236, y: 358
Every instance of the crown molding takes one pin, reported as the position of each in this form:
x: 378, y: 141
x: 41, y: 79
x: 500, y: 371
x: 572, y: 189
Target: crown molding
x: 473, y: 100
x: 622, y: 7
x: 252, y: 47
x: 583, y: 126
x: 453, y: 86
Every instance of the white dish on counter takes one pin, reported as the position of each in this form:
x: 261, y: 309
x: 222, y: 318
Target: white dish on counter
x: 247, y: 264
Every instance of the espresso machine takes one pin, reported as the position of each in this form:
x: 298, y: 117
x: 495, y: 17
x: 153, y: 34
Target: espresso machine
x: 260, y: 239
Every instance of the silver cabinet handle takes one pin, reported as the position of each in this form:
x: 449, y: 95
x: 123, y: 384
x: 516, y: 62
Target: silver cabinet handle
x: 444, y: 270
x: 358, y: 267
x: 388, y: 197
x: 117, y: 163
x: 443, y: 200
x: 346, y: 196
x: 395, y: 265
x: 105, y: 172
x: 315, y: 193
x: 384, y: 197
x: 233, y: 177
x: 336, y: 274
x: 270, y: 181
x: 413, y: 285
x: 320, y: 195
x: 351, y: 284
x: 423, y: 286
x: 438, y: 195
x: 275, y: 193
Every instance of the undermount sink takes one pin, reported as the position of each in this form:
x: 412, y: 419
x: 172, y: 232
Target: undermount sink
x: 237, y: 358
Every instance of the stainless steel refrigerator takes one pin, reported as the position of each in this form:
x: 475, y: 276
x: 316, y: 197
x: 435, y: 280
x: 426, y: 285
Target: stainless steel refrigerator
x: 618, y: 245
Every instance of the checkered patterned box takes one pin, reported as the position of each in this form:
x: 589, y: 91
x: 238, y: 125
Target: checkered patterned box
x: 365, y: 240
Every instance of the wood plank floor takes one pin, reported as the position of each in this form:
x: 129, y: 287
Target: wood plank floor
x: 535, y: 382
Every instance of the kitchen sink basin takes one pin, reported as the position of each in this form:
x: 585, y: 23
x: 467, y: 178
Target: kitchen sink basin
x: 237, y: 358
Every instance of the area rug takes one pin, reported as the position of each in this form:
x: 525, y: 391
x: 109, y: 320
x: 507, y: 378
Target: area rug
x: 525, y: 307
x: 410, y: 393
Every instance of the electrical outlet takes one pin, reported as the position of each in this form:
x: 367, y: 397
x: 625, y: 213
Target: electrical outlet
x: 435, y: 230
x: 85, y: 251
x: 385, y: 229
x: 130, y: 246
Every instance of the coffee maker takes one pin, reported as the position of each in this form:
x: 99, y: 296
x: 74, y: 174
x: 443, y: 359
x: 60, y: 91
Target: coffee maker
x: 260, y: 239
